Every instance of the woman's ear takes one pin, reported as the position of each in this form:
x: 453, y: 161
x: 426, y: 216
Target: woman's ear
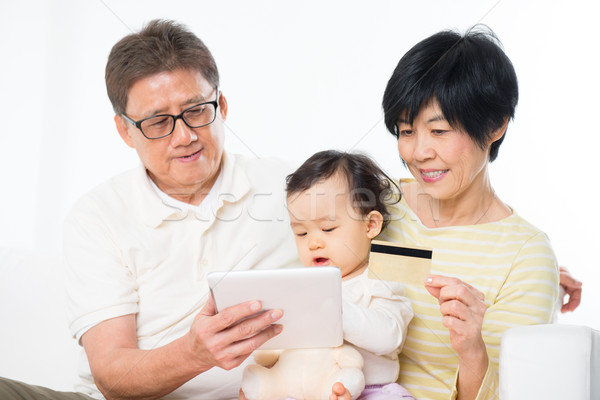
x: 498, y: 133
x: 374, y: 223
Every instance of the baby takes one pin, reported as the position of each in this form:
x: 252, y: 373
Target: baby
x: 337, y: 204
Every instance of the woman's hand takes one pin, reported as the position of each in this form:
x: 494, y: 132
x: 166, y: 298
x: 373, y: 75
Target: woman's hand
x: 463, y: 308
x: 572, y: 287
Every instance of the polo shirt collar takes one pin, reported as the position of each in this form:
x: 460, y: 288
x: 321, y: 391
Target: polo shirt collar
x: 153, y: 211
x: 235, y: 184
x: 150, y: 208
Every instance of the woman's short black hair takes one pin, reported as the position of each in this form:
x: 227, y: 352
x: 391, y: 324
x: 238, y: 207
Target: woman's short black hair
x: 469, y: 76
x: 370, y: 188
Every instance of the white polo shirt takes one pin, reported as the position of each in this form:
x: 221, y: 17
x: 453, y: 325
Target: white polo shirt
x: 128, y: 252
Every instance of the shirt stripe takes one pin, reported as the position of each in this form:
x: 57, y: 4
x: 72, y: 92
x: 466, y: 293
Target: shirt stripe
x: 510, y: 261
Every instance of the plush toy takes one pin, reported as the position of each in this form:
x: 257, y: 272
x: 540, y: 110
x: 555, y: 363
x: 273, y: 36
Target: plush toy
x: 303, y: 374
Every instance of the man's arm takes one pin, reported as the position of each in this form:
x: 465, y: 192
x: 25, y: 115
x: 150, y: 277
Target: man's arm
x: 121, y: 370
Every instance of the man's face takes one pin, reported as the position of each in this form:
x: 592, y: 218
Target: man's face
x: 186, y: 163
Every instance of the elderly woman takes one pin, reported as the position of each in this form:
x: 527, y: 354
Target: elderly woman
x: 448, y: 103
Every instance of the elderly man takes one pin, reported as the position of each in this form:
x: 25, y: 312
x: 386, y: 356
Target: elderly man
x: 138, y: 247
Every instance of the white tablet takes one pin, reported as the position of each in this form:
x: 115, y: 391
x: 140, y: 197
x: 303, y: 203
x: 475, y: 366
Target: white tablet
x: 311, y: 300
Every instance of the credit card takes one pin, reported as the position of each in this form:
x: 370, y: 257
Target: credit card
x: 391, y: 261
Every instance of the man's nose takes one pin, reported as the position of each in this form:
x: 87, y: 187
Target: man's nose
x: 182, y: 134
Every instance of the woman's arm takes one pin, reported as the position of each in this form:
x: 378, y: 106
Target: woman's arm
x: 527, y: 297
x: 463, y: 309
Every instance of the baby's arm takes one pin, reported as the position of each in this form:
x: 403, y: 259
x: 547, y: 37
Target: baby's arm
x: 378, y: 322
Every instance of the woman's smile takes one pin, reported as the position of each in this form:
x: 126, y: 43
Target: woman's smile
x: 433, y: 175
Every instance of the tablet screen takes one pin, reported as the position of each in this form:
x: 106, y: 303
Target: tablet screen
x: 311, y: 300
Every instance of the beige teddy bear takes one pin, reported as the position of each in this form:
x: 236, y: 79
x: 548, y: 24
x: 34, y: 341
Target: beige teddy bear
x: 303, y: 374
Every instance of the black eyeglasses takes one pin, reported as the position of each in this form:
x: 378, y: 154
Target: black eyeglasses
x: 159, y: 126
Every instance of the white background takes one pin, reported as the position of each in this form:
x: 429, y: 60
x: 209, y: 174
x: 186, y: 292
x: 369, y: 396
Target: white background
x: 301, y: 77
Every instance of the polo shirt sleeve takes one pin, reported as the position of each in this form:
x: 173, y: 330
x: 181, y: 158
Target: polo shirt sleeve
x: 99, y: 284
x: 527, y: 297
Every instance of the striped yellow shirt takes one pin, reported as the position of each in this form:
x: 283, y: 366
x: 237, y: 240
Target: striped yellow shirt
x: 510, y: 261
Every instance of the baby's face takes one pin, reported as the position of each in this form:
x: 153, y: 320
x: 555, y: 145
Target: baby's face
x: 328, y: 230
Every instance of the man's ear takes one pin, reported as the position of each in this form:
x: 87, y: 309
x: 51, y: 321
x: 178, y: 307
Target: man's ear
x: 374, y: 223
x: 123, y: 130
x: 222, y: 106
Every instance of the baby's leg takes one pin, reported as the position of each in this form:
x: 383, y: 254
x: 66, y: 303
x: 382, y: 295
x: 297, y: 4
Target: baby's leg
x: 352, y: 379
x: 391, y: 391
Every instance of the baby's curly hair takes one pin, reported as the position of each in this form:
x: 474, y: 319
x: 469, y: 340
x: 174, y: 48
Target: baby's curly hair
x: 370, y: 187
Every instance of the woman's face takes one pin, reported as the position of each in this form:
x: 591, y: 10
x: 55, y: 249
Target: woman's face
x: 445, y: 161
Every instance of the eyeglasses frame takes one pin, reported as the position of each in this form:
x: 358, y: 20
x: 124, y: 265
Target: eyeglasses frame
x: 138, y: 124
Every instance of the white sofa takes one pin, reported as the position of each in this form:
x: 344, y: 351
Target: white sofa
x: 550, y: 362
x: 539, y: 362
x: 35, y: 345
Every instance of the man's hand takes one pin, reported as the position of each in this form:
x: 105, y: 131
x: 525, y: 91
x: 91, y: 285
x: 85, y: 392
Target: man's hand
x: 122, y: 370
x: 572, y: 288
x: 220, y: 339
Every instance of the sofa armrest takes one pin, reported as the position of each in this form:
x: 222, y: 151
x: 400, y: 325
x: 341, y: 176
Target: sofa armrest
x: 550, y: 362
x: 35, y: 344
